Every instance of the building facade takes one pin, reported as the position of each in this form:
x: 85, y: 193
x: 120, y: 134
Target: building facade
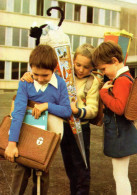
x: 86, y: 21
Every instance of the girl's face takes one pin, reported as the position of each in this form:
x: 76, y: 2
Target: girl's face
x: 82, y: 66
x: 42, y: 76
x: 110, y: 70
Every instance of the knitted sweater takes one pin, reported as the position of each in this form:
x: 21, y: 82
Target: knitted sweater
x: 89, y: 109
x: 57, y: 98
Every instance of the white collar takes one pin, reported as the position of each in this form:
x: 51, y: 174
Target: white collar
x: 122, y: 70
x: 53, y: 81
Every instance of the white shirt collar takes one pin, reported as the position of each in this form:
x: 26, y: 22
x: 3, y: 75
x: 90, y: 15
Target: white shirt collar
x: 53, y: 81
x: 122, y: 70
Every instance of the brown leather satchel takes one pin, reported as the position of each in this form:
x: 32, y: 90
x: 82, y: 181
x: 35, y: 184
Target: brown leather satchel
x: 131, y: 105
x: 37, y: 147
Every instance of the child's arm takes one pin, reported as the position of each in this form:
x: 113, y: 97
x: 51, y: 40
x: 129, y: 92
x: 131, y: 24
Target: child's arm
x: 11, y: 151
x: 61, y: 107
x: 27, y: 77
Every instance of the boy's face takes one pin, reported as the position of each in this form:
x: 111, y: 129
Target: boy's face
x: 82, y: 66
x: 42, y: 76
x: 110, y: 70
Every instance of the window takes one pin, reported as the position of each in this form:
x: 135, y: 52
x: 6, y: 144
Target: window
x: 82, y: 40
x: 96, y: 15
x: 101, y: 16
x: 17, y: 6
x: 40, y: 5
x: 2, y: 67
x: 2, y: 35
x: 25, y: 7
x: 62, y: 6
x: 114, y: 18
x: 2, y: 5
x: 24, y: 38
x: 90, y: 14
x: 95, y: 41
x: 16, y: 35
x: 15, y: 70
x: 107, y: 17
x: 69, y: 11
x: 76, y: 42
x: 23, y: 68
x: 20, y: 37
x: 21, y: 6
x: 88, y: 40
x: 77, y: 12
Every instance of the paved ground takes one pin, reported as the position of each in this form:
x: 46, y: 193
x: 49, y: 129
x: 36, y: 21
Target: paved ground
x: 102, y: 182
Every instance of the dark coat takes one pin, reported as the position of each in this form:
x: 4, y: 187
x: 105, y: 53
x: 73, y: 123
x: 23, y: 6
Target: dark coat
x: 120, y: 135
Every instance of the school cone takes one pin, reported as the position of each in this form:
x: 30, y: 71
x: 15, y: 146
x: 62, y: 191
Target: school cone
x: 65, y: 70
x: 55, y: 37
x: 123, y: 38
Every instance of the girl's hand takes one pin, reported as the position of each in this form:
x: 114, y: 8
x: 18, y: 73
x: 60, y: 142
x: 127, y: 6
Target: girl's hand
x: 38, y: 109
x: 27, y: 77
x: 107, y: 85
x: 11, y: 151
x: 74, y: 107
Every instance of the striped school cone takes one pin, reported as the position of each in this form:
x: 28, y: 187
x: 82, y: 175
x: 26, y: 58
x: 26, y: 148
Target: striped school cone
x: 123, y: 38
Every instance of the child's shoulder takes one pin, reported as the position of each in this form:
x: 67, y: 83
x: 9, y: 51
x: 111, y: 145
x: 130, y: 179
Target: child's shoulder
x: 124, y: 78
x: 59, y: 79
x: 97, y: 78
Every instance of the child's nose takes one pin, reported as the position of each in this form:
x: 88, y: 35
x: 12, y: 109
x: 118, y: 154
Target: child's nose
x: 81, y: 69
x: 40, y: 78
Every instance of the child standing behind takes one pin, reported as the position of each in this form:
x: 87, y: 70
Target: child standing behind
x: 85, y: 108
x: 51, y: 91
x: 120, y: 135
x: 78, y: 174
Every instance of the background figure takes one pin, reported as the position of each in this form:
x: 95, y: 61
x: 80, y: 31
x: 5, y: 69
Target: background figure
x: 120, y: 134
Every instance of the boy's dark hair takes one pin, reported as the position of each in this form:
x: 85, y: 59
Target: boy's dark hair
x: 85, y: 50
x: 43, y: 56
x: 104, y: 53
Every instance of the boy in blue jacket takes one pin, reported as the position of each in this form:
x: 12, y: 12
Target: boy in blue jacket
x: 50, y: 90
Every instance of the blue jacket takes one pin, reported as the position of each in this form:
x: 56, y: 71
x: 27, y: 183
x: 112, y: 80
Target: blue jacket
x: 57, y: 98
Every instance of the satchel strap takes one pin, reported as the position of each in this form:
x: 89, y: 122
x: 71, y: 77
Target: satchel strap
x: 125, y: 76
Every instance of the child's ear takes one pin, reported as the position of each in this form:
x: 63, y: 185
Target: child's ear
x: 115, y: 60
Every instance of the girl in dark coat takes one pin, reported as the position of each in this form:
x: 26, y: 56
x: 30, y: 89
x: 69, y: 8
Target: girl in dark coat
x: 120, y: 135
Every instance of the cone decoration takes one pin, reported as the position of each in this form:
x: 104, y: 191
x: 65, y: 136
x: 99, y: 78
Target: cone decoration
x: 123, y: 38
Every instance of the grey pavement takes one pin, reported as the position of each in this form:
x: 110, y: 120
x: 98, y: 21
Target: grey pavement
x: 102, y: 182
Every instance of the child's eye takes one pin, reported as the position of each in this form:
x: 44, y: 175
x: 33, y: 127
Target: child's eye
x: 78, y: 64
x: 86, y: 67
